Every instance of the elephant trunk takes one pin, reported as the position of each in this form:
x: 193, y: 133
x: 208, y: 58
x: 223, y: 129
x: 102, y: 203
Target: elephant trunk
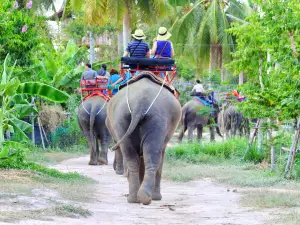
x: 135, y: 119
x: 218, y: 128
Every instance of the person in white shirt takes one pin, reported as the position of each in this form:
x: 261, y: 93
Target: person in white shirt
x: 199, y: 89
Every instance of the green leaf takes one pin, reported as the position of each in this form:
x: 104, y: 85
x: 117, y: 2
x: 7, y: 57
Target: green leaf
x: 22, y: 125
x: 24, y: 109
x: 21, y: 135
x: 12, y: 87
x: 44, y: 91
x: 4, y: 152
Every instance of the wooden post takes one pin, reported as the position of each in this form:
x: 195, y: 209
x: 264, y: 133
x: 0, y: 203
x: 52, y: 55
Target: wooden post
x: 273, y: 150
x: 293, y: 150
x: 252, y: 136
x: 32, y: 122
x: 41, y: 133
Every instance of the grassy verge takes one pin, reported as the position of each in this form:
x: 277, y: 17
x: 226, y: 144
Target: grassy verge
x: 224, y: 162
x: 55, y: 155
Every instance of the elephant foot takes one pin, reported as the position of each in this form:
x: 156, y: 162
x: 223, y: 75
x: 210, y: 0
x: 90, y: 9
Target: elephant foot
x: 102, y: 161
x: 156, y: 196
x: 119, y: 171
x: 144, y: 197
x: 132, y: 199
x: 93, y: 162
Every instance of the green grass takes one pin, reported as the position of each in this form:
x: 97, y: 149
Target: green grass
x: 216, y: 152
x: 55, y: 155
x: 271, y: 199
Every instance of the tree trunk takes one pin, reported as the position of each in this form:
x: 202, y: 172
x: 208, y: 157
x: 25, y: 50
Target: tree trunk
x: 241, y: 78
x: 215, y: 58
x: 260, y: 136
x: 120, y: 43
x: 273, y: 150
x: 92, y: 53
x: 126, y: 29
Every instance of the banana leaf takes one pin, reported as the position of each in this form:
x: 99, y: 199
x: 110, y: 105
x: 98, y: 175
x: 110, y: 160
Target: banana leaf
x: 44, y: 91
x: 4, y: 152
x: 24, y: 109
x: 11, y: 87
x: 20, y: 134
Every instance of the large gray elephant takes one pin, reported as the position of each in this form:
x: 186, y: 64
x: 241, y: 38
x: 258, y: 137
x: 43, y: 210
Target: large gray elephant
x: 91, y: 119
x: 142, y: 118
x: 191, y: 119
x: 234, y: 122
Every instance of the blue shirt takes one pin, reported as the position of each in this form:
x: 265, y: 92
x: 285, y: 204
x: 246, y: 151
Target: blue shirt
x: 112, y: 79
x: 137, y: 49
x: 164, y: 49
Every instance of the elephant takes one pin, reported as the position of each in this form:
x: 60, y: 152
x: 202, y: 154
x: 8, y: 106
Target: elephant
x: 190, y: 120
x: 234, y: 122
x: 91, y: 119
x: 142, y: 118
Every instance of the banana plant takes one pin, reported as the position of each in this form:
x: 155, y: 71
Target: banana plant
x: 14, y: 105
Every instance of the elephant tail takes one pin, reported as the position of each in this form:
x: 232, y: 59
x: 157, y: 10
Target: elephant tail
x: 133, y: 123
x: 92, y: 120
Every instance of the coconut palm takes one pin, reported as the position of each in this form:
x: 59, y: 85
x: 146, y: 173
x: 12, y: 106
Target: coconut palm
x: 125, y: 12
x: 201, y: 32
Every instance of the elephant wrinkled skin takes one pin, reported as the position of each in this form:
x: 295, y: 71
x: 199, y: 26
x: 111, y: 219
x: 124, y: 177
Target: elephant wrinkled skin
x: 91, y: 119
x: 143, y: 137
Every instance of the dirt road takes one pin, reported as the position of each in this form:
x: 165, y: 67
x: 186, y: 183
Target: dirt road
x: 197, y: 202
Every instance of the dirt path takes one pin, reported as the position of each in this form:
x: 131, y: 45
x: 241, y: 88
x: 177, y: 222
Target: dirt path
x: 197, y: 202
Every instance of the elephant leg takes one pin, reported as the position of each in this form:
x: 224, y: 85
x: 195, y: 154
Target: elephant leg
x: 93, y: 145
x: 142, y: 169
x: 152, y: 152
x: 118, y: 162
x: 181, y: 134
x: 190, y: 133
x: 199, y: 132
x: 156, y: 195
x: 133, y: 164
x: 102, y: 158
x: 212, y: 133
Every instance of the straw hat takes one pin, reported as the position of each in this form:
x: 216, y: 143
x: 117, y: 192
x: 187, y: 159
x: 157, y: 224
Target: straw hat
x: 139, y: 35
x: 163, y: 34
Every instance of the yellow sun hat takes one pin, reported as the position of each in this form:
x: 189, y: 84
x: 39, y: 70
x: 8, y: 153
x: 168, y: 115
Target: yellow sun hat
x: 163, y: 34
x: 139, y: 34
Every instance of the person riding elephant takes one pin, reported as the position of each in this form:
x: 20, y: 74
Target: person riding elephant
x: 142, y: 118
x: 192, y: 119
x: 162, y: 48
x: 138, y: 48
x: 91, y: 119
x: 114, y: 81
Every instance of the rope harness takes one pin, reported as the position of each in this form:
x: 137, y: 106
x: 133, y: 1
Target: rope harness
x: 86, y: 109
x: 161, y: 87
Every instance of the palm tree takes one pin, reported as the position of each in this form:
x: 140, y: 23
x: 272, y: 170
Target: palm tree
x: 99, y: 12
x: 202, y: 32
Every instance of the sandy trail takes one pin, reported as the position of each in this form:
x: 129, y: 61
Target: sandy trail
x: 197, y: 202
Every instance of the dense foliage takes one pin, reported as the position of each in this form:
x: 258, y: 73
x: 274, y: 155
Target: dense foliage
x: 268, y: 46
x: 21, y: 33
